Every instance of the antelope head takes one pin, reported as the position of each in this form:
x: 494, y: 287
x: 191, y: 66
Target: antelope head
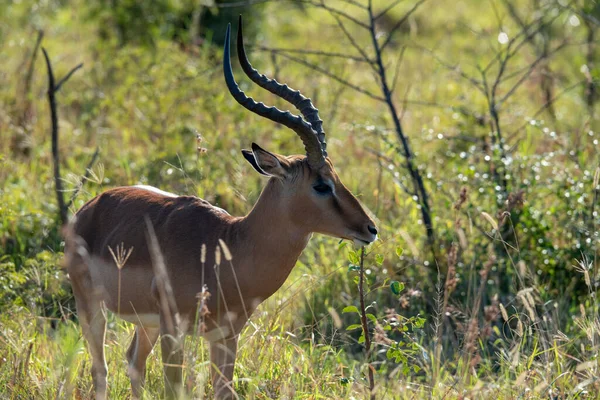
x: 308, y: 187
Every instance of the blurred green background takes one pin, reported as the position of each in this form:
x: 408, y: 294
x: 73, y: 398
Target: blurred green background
x: 499, y: 100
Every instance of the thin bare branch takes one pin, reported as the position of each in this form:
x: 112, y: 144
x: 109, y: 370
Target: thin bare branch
x: 363, y: 321
x: 334, y: 11
x: 66, y: 78
x: 588, y: 17
x: 395, y: 179
x: 548, y: 104
x: 521, y: 70
x: 311, y: 52
x: 52, y: 90
x: 400, y: 23
x: 85, y: 177
x: 524, y: 35
x: 531, y: 68
x: 388, y: 8
x: 355, y: 3
x: 416, y: 178
x: 239, y: 3
x: 58, y: 188
x: 353, y: 42
x: 456, y: 68
x: 329, y: 75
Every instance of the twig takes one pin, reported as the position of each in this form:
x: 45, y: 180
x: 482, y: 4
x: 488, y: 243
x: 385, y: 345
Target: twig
x: 395, y: 179
x: 63, y: 80
x: 355, y: 3
x: 547, y: 104
x: 354, y: 43
x: 455, y: 68
x: 239, y: 3
x: 399, y: 23
x: 52, y: 89
x: 334, y: 11
x: 329, y: 75
x: 532, y: 67
x: 311, y: 52
x: 388, y: 8
x: 85, y: 177
x: 363, y: 321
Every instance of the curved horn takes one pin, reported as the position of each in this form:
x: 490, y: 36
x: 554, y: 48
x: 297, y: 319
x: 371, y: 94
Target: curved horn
x: 294, y: 97
x: 314, y: 152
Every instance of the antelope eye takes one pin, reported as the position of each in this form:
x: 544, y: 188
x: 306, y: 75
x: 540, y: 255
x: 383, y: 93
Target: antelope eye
x: 322, y: 188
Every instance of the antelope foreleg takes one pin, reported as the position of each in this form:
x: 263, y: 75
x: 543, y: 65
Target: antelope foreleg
x: 172, y: 357
x: 222, y: 357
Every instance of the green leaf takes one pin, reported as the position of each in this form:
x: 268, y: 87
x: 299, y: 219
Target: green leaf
x: 350, y: 309
x: 419, y: 322
x: 361, y: 339
x: 399, y: 251
x: 396, y: 287
x: 390, y: 353
x: 353, y: 327
x: 372, y: 317
x: 353, y: 257
x: 379, y: 259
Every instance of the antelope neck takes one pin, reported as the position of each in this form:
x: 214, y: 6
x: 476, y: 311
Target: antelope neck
x: 269, y: 242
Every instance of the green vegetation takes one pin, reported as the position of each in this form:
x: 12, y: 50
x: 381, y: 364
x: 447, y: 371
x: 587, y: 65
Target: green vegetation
x: 502, y: 305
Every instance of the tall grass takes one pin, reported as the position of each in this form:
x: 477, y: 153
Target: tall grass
x: 510, y: 304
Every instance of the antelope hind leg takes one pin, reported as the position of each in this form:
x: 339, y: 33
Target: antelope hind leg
x: 141, y: 346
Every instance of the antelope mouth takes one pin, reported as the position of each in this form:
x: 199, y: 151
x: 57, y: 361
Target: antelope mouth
x: 363, y: 242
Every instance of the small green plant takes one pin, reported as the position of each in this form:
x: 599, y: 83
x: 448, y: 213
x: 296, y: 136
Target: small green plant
x: 390, y: 331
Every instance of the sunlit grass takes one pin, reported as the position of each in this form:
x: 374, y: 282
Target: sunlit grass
x: 533, y: 337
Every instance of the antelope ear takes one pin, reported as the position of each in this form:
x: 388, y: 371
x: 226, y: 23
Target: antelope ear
x: 264, y: 161
x: 249, y: 156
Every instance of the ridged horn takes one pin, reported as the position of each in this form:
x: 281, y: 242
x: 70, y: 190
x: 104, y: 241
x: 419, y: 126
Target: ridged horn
x: 294, y: 97
x: 312, y: 145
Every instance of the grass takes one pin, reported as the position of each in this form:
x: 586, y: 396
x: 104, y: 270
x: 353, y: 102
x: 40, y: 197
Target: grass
x: 505, y: 317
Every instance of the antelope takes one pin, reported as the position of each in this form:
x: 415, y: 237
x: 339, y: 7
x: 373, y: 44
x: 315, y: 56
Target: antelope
x: 188, y: 235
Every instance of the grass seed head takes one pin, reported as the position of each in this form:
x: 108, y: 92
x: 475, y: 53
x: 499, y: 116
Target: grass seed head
x: 203, y: 253
x: 217, y: 255
x: 226, y: 252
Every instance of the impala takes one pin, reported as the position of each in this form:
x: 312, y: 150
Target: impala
x: 187, y: 236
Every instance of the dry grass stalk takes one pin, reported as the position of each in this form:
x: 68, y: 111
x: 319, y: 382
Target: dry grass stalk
x: 120, y: 259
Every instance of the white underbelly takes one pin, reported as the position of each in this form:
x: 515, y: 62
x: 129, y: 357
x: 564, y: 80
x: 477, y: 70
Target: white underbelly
x: 147, y: 320
x: 153, y: 321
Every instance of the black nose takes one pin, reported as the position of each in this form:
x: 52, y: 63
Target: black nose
x: 372, y: 229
